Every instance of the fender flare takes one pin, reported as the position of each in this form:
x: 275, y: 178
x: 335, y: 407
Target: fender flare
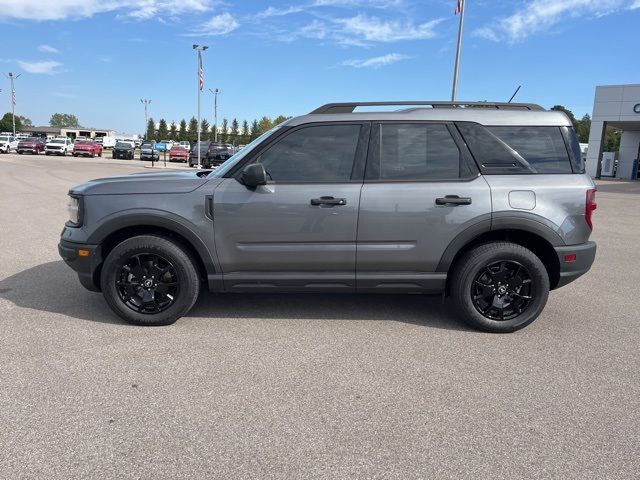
x: 524, y: 222
x: 151, y: 218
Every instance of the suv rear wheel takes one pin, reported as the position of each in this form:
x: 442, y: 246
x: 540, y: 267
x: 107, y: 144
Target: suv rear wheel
x: 150, y: 280
x: 499, y: 287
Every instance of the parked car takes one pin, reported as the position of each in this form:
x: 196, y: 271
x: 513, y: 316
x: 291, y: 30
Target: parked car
x: 179, y: 154
x: 58, y: 146
x: 148, y: 151
x: 130, y: 141
x: 185, y: 144
x: 8, y: 143
x: 31, y: 145
x: 211, y: 154
x: 122, y: 150
x: 106, y: 141
x: 487, y: 204
x: 87, y: 148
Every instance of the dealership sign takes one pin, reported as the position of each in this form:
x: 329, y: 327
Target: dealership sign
x: 636, y: 108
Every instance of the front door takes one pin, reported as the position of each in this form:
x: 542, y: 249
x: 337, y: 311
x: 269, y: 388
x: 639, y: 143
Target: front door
x: 421, y: 190
x: 298, y: 232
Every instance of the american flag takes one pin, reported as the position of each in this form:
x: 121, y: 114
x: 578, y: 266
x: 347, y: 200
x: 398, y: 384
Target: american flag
x: 13, y: 98
x: 459, y: 5
x: 200, y: 72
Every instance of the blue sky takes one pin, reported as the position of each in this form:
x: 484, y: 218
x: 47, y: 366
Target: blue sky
x: 97, y: 58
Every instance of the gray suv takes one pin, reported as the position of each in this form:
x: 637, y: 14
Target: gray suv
x: 485, y: 203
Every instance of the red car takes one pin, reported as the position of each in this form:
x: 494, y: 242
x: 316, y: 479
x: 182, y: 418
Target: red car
x: 178, y: 154
x: 87, y: 148
x: 31, y: 145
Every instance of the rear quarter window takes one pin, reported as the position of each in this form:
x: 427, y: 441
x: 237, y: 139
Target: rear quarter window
x: 517, y: 149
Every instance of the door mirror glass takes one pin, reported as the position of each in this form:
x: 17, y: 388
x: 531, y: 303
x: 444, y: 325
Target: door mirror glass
x: 254, y: 175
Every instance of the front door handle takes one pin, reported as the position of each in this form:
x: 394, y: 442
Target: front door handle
x: 328, y: 201
x: 453, y: 200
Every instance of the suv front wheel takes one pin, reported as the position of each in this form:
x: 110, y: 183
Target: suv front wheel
x: 499, y: 287
x: 150, y: 280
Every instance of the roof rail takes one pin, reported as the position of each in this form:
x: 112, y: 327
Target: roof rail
x: 349, y: 107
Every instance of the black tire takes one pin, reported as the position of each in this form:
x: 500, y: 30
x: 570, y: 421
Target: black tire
x: 183, y: 273
x: 481, y: 281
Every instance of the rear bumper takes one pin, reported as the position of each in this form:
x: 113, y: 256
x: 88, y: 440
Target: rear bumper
x: 86, y: 266
x: 571, y: 270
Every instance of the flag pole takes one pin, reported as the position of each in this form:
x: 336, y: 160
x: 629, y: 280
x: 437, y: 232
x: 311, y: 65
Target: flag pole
x: 198, y: 144
x: 462, y: 8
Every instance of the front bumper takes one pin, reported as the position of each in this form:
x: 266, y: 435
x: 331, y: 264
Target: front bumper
x: 571, y: 269
x: 85, y: 266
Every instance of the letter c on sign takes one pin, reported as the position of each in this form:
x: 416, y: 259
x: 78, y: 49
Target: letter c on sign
x: 636, y: 108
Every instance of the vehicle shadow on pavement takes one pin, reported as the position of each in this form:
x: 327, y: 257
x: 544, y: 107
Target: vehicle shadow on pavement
x: 53, y: 287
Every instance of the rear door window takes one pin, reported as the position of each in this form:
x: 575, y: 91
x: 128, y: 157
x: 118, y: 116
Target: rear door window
x: 416, y: 152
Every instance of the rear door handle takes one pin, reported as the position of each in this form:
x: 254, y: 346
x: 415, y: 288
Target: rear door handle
x: 453, y: 200
x: 328, y: 201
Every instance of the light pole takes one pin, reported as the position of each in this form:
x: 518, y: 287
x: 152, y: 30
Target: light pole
x: 215, y: 92
x: 146, y: 102
x: 12, y: 77
x: 199, y: 49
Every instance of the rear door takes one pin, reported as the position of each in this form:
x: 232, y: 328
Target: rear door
x: 421, y: 190
x: 298, y: 232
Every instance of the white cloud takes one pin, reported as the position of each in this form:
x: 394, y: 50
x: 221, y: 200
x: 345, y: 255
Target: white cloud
x: 376, y: 62
x: 218, y: 25
x: 63, y: 9
x: 280, y: 12
x: 541, y: 15
x: 48, y: 67
x: 48, y: 49
x: 362, y: 28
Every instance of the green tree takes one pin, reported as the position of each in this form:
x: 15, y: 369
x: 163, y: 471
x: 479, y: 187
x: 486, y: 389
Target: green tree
x: 173, y: 131
x: 235, y: 131
x: 163, y: 130
x: 612, y: 139
x: 151, y: 130
x: 562, y: 108
x: 279, y: 119
x: 265, y: 124
x: 64, y: 120
x: 192, y: 130
x: 223, y: 134
x: 244, y: 133
x: 6, y: 123
x: 255, y: 130
x: 182, y: 132
x: 584, y: 128
x: 204, y: 129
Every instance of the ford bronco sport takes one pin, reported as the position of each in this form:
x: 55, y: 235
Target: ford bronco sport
x: 486, y: 203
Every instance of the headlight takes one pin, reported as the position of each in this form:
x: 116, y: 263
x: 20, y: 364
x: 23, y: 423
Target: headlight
x: 73, y: 207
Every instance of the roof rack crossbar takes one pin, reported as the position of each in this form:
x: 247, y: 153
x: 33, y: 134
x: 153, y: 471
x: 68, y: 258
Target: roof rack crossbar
x: 349, y: 107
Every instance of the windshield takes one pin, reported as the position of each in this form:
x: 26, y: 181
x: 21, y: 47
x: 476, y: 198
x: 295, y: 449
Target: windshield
x: 4, y: 139
x: 229, y: 164
x: 123, y: 145
x: 57, y: 141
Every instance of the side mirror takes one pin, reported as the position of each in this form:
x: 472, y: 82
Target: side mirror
x: 254, y: 175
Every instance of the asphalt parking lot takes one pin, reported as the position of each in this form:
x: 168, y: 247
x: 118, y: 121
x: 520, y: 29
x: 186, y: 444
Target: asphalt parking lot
x: 307, y: 386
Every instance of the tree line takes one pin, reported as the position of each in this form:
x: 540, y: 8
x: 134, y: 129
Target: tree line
x: 228, y: 132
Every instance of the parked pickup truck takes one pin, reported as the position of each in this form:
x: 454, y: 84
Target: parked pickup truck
x: 58, y: 146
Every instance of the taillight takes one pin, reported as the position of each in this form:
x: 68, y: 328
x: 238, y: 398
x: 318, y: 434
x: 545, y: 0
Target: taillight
x: 590, y: 206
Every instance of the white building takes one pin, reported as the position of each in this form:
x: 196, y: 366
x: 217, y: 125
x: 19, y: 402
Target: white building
x: 616, y: 106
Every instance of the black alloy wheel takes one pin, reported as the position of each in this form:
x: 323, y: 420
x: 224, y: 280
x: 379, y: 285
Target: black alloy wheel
x: 502, y: 290
x: 147, y: 283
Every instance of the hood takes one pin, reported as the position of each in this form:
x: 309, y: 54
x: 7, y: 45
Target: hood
x: 144, y: 183
x: 84, y: 147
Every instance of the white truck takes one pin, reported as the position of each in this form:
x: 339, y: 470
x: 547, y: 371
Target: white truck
x: 58, y: 146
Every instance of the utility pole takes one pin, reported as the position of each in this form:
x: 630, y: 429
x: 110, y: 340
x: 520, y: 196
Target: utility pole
x: 12, y: 77
x: 215, y: 92
x: 146, y: 102
x: 199, y: 49
x: 460, y: 8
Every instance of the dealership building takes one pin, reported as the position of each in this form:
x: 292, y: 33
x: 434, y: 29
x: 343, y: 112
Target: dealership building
x: 615, y: 106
